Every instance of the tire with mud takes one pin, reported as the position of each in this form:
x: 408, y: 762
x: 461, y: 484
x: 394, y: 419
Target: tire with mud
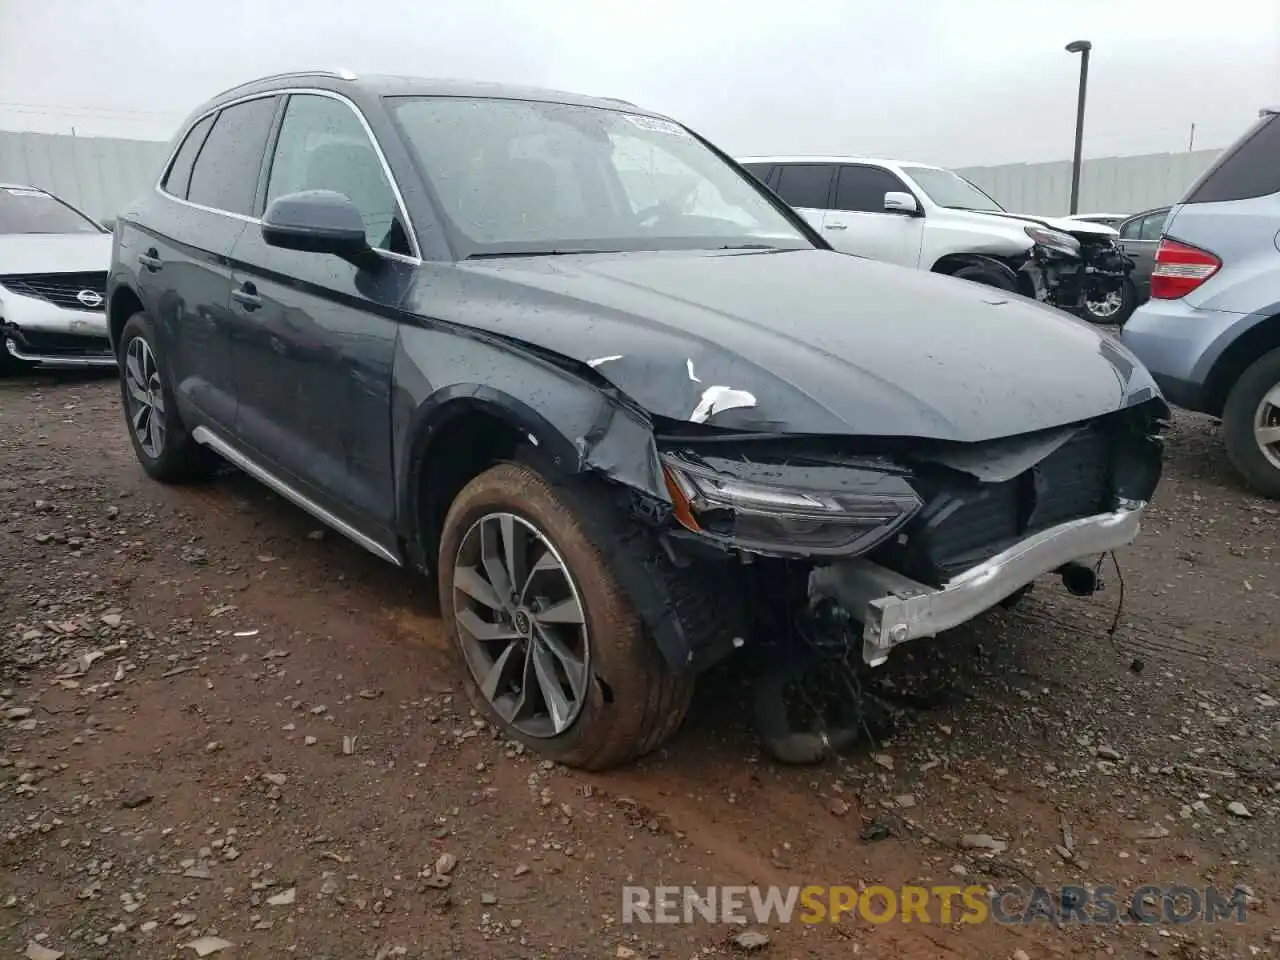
x: 1252, y: 416
x: 160, y: 440
x: 552, y: 650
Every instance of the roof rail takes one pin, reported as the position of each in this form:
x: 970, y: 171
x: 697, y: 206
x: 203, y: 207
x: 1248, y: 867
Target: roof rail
x: 340, y: 74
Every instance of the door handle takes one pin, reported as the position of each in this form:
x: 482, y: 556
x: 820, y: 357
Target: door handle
x: 836, y: 226
x: 247, y: 297
x: 151, y: 260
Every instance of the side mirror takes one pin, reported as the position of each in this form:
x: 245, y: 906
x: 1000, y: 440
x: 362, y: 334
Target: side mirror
x: 316, y: 221
x: 896, y: 201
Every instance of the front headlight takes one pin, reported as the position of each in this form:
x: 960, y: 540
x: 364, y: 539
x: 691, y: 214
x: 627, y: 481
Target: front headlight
x: 789, y: 510
x: 1055, y: 240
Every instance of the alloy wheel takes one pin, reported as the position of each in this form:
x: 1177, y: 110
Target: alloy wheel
x: 1266, y: 426
x: 521, y: 624
x: 1107, y: 307
x: 146, y: 397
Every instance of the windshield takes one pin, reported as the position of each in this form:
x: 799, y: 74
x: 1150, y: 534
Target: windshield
x: 948, y: 189
x: 526, y: 177
x: 23, y: 210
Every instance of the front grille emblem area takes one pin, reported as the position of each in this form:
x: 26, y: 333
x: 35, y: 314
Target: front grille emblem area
x: 90, y: 298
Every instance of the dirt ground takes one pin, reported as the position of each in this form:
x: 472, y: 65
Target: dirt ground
x: 218, y: 721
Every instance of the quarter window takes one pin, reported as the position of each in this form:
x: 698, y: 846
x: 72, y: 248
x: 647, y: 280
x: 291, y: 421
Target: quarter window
x: 227, y: 168
x: 805, y: 184
x: 324, y: 146
x: 862, y: 189
x: 179, y: 176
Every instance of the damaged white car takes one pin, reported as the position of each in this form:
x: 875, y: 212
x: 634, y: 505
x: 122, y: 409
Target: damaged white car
x: 625, y: 405
x: 53, y: 275
x: 930, y: 218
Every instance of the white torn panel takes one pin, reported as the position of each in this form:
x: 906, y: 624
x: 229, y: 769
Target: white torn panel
x: 689, y: 364
x: 599, y: 360
x: 717, y: 399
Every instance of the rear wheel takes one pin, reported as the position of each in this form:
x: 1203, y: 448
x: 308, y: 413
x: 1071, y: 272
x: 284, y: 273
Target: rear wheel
x: 552, y: 650
x: 160, y: 439
x: 1251, y: 425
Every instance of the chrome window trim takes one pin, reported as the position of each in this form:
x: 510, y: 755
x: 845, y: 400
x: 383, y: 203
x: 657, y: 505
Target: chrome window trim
x: 414, y: 258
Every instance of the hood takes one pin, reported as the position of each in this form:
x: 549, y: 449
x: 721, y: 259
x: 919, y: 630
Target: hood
x: 54, y: 252
x: 1080, y: 229
x: 807, y: 341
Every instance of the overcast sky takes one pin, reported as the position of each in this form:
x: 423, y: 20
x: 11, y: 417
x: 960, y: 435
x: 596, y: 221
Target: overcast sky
x: 956, y: 82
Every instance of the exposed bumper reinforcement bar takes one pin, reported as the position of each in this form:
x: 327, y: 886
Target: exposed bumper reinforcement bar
x: 61, y: 359
x: 894, y: 609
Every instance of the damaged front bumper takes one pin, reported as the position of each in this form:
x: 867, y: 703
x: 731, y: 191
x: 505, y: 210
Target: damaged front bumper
x: 894, y: 609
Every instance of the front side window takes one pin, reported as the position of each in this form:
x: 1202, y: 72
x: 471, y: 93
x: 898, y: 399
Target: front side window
x: 951, y: 190
x: 27, y: 211
x: 324, y: 146
x: 862, y: 189
x: 516, y: 176
x: 225, y: 176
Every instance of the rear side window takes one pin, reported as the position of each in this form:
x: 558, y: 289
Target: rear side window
x: 226, y: 171
x: 179, y: 176
x: 1249, y: 169
x: 805, y: 184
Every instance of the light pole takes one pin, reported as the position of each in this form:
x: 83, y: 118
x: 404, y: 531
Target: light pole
x: 1081, y: 47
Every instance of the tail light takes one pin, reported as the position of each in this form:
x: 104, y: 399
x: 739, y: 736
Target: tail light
x: 1180, y: 268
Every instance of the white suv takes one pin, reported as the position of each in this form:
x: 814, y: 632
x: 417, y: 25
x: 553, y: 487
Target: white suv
x: 930, y: 218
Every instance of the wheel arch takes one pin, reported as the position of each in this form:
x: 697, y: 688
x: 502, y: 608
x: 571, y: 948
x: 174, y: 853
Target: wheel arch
x: 453, y: 436
x: 951, y: 263
x: 124, y: 303
x: 1261, y: 338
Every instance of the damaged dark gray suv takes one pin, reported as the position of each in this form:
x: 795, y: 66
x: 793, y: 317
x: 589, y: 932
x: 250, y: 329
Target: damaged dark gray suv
x: 622, y: 402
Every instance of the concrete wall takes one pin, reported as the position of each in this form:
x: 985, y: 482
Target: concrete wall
x: 99, y: 175
x: 1107, y: 185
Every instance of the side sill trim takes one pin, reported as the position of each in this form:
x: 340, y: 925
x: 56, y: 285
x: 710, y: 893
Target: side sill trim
x: 207, y: 437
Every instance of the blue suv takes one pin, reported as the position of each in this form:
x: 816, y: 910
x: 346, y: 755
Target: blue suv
x: 1211, y: 332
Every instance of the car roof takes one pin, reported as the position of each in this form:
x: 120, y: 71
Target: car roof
x: 877, y: 161
x: 387, y: 85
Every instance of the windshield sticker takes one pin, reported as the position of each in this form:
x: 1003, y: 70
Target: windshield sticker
x: 654, y: 125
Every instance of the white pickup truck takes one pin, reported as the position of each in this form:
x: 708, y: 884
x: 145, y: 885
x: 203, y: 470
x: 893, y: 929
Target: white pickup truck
x: 931, y: 218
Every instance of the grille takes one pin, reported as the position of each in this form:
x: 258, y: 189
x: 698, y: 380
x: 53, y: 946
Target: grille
x: 61, y: 289
x: 961, y: 528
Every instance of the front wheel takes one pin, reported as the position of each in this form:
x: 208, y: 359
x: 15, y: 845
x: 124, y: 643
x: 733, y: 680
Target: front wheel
x: 1251, y: 425
x: 1112, y: 308
x: 553, y: 651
